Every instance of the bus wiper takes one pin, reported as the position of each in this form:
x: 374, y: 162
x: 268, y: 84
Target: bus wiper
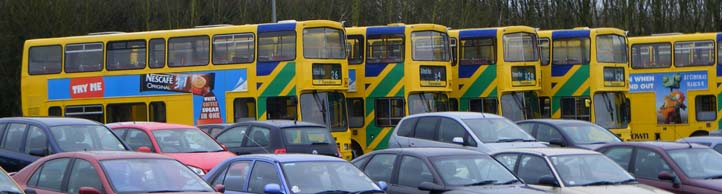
x: 608, y: 105
x: 427, y: 106
x: 321, y: 107
x: 519, y: 103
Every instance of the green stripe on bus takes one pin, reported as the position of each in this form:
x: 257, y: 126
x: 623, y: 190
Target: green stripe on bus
x: 493, y: 92
x: 385, y: 86
x: 276, y: 86
x: 463, y: 104
x: 400, y: 92
x: 572, y: 84
x: 586, y: 92
x: 482, y: 83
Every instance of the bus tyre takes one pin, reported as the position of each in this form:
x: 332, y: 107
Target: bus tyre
x: 699, y: 133
x: 356, y: 150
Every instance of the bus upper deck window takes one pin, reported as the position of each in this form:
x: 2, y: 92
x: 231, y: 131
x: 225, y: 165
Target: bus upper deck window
x: 276, y: 46
x: 44, y: 60
x: 86, y: 57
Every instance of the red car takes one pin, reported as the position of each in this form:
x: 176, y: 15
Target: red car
x: 108, y: 172
x: 188, y: 144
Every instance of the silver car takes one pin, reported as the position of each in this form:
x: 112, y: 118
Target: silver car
x: 478, y: 131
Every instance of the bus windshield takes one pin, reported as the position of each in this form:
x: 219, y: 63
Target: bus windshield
x: 518, y: 106
x: 611, y: 110
x: 324, y: 43
x: 611, y: 49
x: 428, y: 102
x: 520, y: 47
x: 430, y: 46
x: 325, y: 108
x: 385, y: 49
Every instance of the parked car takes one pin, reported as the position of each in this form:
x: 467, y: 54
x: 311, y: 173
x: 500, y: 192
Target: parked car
x: 714, y: 142
x: 479, y: 131
x: 8, y: 185
x: 676, y: 167
x: 108, y: 172
x: 568, y: 133
x: 290, y: 173
x: 213, y: 129
x: 187, y: 144
x: 26, y: 139
x: 439, y: 170
x: 278, y: 136
x: 571, y: 171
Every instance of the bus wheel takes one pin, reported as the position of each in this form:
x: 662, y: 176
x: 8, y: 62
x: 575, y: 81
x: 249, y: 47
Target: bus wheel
x: 699, y: 133
x: 356, y: 150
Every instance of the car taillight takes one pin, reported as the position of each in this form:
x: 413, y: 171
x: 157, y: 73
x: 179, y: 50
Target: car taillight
x: 279, y: 151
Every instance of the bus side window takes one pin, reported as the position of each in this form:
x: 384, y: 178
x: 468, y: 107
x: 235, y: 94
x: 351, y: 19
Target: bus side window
x: 157, y: 112
x: 454, y: 57
x: 91, y: 112
x: 156, y: 53
x: 44, y: 60
x: 453, y: 104
x: 485, y: 105
x: 55, y: 111
x: 705, y: 107
x: 544, y: 50
x: 389, y: 111
x: 85, y: 57
x: 575, y: 108
x: 126, y: 112
x: 244, y: 109
x: 545, y: 104
x: 124, y: 55
x: 356, y: 112
x: 282, y: 107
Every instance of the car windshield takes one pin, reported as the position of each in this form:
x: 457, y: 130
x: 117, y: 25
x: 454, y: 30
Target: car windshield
x: 145, y: 175
x: 472, y: 170
x: 587, y: 133
x: 7, y: 186
x: 185, y: 141
x: 307, y: 136
x: 315, y: 177
x: 493, y: 130
x: 86, y: 137
x: 695, y: 163
x: 583, y: 169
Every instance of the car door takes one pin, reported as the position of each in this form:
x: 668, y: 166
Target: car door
x: 448, y: 129
x: 403, y: 133
x: 235, y: 177
x: 136, y: 138
x: 528, y: 127
x: 263, y: 173
x: 548, y: 133
x: 425, y: 133
x: 646, y: 166
x: 49, y: 177
x: 258, y: 140
x: 83, y: 174
x: 12, y: 155
x: 381, y: 168
x: 412, y: 171
x: 233, y: 138
x: 532, y: 168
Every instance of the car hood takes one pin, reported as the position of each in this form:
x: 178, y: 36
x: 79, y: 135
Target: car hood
x: 499, y: 189
x: 508, y: 145
x: 205, y: 161
x: 711, y: 184
x: 590, y: 146
x: 616, y: 189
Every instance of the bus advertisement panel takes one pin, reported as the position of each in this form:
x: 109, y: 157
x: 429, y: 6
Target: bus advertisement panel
x: 670, y: 91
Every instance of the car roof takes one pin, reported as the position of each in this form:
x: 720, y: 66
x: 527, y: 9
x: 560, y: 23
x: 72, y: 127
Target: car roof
x: 549, y: 151
x: 289, y: 157
x: 105, y: 155
x: 710, y: 139
x: 215, y: 125
x: 657, y: 145
x: 556, y: 121
x: 430, y: 152
x: 460, y: 115
x: 149, y: 125
x: 282, y: 123
x: 50, y: 121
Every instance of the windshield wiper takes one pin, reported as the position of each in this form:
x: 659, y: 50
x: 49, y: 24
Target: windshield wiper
x: 486, y: 182
x: 175, y: 191
x: 368, y: 191
x: 599, y: 183
x: 319, y: 143
x: 514, y: 140
x: 627, y: 181
x: 333, y: 192
x: 598, y: 142
x: 509, y: 182
x: 714, y: 177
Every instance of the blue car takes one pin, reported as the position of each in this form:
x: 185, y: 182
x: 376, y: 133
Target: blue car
x: 26, y: 139
x: 289, y: 174
x: 714, y: 142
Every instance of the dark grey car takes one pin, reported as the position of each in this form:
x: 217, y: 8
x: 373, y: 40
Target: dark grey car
x: 568, y: 133
x: 278, y: 136
x: 440, y: 170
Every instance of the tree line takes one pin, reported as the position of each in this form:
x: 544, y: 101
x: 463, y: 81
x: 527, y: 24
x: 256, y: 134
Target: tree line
x: 21, y: 20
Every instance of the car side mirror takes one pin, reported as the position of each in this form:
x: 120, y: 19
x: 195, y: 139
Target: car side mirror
x: 88, y: 190
x: 225, y: 148
x: 458, y: 140
x: 144, y: 149
x: 432, y: 187
x: 30, y: 191
x: 382, y: 185
x: 272, y: 189
x: 40, y: 152
x: 548, y: 181
x: 665, y: 176
x: 557, y: 142
x: 219, y: 188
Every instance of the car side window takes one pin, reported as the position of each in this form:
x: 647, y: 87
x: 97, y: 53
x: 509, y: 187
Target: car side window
x: 648, y: 164
x: 528, y: 127
x: 258, y: 137
x: 235, y: 176
x: 380, y: 167
x: 50, y: 175
x: 136, y: 138
x: 233, y: 137
x: 37, y: 142
x: 449, y: 129
x: 406, y: 128
x: 360, y: 162
x: 2, y: 131
x: 413, y: 171
x: 547, y: 133
x: 83, y: 174
x: 533, y: 168
x: 508, y: 160
x: 263, y: 173
x: 214, y: 131
x: 426, y: 128
x: 14, y: 137
x: 620, y: 155
x: 718, y: 148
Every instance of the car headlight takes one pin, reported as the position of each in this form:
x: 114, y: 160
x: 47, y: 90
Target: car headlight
x: 196, y: 170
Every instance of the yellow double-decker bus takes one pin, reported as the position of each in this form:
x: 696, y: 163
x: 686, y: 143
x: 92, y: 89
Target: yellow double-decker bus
x: 584, y: 75
x: 208, y: 74
x: 395, y: 70
x: 495, y: 71
x: 674, y: 85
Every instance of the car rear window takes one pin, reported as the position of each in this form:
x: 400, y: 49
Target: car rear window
x: 307, y: 136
